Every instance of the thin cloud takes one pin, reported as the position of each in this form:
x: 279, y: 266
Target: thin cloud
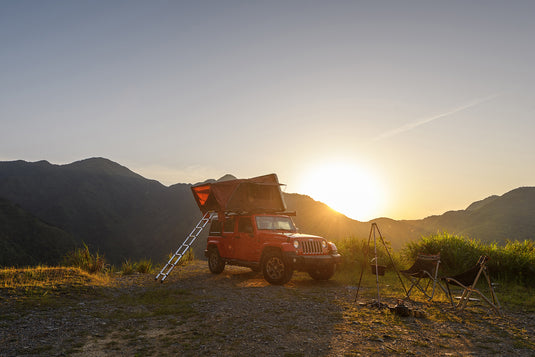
x: 416, y: 124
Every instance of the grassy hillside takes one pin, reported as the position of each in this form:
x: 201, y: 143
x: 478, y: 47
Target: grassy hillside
x: 25, y: 240
x: 103, y: 204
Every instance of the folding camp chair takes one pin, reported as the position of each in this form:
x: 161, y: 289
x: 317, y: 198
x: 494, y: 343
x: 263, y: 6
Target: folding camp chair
x: 425, y: 267
x: 468, y: 280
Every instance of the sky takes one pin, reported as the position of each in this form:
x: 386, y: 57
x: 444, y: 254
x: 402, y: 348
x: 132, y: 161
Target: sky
x: 399, y: 109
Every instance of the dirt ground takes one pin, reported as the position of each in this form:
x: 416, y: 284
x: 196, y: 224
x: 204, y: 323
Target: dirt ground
x: 236, y: 313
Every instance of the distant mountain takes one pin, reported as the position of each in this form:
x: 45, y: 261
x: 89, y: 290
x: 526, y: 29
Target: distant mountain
x: 103, y: 204
x: 25, y: 240
x: 494, y: 219
x: 478, y: 204
x: 124, y: 215
x: 318, y: 218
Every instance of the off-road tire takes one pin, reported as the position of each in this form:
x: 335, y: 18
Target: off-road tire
x: 215, y: 263
x: 322, y: 273
x: 276, y: 271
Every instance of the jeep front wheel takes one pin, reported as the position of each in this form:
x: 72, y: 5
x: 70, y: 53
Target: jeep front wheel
x: 276, y: 271
x: 322, y: 273
x: 215, y: 263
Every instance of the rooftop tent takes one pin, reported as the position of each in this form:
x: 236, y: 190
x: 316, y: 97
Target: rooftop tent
x: 257, y: 194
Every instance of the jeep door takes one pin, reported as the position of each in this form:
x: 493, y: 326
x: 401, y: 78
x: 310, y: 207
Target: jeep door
x: 246, y: 242
x: 227, y: 244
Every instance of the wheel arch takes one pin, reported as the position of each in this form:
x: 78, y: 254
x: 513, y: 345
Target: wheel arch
x: 269, y: 249
x: 213, y: 245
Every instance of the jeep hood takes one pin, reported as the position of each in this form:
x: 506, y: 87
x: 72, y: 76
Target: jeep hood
x: 302, y: 236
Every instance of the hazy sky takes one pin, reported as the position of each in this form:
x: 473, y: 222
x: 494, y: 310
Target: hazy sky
x: 407, y: 108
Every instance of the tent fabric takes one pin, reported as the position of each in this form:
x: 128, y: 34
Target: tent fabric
x: 257, y: 194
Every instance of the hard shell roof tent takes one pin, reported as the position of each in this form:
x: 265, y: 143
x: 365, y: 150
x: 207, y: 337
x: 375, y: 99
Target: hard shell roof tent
x: 260, y: 194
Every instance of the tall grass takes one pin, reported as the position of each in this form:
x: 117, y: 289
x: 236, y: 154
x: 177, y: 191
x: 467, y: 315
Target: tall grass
x: 95, y: 263
x: 144, y: 266
x: 186, y: 258
x: 128, y: 267
x: 43, y: 279
x: 357, y: 255
x: 358, y: 251
x: 514, y: 262
x: 85, y: 260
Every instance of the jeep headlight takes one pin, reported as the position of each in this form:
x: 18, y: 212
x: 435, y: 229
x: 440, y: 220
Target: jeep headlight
x: 333, y: 247
x: 324, y: 244
x: 296, y: 244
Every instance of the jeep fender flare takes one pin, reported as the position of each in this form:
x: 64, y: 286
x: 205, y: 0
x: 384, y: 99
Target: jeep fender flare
x: 276, y: 268
x: 266, y: 250
x: 283, y: 249
x: 210, y: 246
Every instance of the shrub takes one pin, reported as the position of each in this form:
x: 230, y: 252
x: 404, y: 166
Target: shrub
x: 514, y: 262
x: 83, y: 259
x: 128, y: 267
x: 457, y: 253
x: 357, y: 253
x: 144, y: 266
x: 186, y: 258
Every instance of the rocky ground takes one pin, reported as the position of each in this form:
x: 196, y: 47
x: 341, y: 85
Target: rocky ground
x: 236, y: 313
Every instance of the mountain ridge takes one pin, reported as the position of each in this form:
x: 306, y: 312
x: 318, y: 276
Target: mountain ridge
x: 124, y: 215
x: 25, y: 238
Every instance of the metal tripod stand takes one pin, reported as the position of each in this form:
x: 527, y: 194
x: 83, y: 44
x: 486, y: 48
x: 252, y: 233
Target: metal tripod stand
x: 374, y: 230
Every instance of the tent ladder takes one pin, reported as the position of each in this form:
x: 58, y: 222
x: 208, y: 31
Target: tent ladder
x: 182, y: 250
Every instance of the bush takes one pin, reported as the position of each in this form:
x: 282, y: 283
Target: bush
x: 186, y: 258
x: 356, y: 253
x: 144, y: 266
x: 128, y: 267
x: 457, y: 254
x: 514, y: 262
x: 83, y: 259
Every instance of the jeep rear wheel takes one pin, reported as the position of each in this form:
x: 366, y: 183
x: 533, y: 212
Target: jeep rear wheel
x: 322, y: 273
x: 215, y: 263
x: 276, y: 271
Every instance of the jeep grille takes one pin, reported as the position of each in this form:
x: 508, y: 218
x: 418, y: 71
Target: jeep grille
x: 311, y: 247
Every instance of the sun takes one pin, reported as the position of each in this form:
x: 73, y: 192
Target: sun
x: 346, y: 188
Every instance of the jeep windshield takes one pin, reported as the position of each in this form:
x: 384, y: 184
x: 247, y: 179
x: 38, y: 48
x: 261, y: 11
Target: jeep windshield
x: 275, y: 223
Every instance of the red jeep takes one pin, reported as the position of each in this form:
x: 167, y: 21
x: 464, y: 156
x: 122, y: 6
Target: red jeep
x: 253, y: 229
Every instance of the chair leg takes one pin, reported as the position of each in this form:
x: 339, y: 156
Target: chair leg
x: 414, y: 283
x: 448, y: 293
x: 465, y: 297
x: 496, y: 304
x: 492, y: 293
x: 423, y: 290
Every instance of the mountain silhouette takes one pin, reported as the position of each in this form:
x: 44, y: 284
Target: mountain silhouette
x: 126, y: 216
x: 318, y: 218
x: 103, y: 204
x: 26, y: 240
x: 494, y: 219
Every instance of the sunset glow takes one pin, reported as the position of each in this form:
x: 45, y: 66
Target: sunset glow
x: 346, y: 188
x: 415, y: 109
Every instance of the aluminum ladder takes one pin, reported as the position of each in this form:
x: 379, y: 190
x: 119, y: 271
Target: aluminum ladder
x: 182, y: 250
